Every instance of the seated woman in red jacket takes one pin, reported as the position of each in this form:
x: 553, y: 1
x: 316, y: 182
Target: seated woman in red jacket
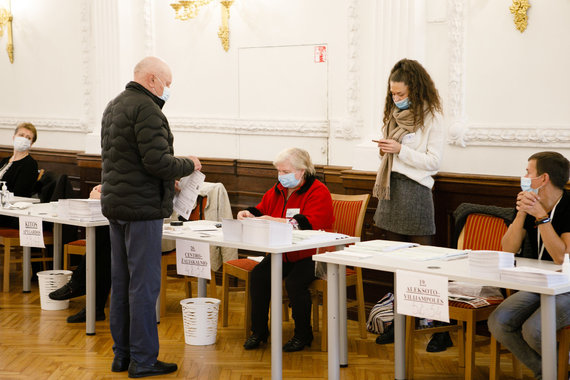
x: 305, y: 202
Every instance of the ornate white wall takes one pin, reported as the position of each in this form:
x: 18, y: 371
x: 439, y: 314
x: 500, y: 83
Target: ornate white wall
x: 504, y: 92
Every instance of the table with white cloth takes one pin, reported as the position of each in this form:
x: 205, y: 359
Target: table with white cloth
x: 457, y: 270
x: 216, y: 238
x: 45, y: 212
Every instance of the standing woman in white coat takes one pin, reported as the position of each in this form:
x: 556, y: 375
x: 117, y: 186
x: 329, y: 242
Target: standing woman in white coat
x: 411, y: 150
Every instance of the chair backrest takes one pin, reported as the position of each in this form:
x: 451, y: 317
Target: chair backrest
x: 198, y: 212
x: 349, y: 211
x: 482, y: 232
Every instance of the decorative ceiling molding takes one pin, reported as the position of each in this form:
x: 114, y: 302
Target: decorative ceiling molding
x: 44, y: 124
x: 518, y: 136
x: 350, y: 129
x: 300, y: 128
x: 456, y: 101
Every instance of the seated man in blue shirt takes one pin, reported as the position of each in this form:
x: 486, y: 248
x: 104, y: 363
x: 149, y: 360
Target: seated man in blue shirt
x: 543, y: 216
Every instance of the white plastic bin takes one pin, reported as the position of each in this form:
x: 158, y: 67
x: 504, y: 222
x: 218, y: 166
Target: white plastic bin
x: 200, y: 316
x: 50, y: 280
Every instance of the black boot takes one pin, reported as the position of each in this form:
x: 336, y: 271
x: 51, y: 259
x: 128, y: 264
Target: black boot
x: 387, y: 336
x: 81, y: 316
x: 439, y: 342
x: 67, y: 291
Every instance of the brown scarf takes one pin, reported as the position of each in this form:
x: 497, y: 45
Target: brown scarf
x: 400, y: 124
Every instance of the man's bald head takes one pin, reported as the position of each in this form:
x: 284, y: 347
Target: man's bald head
x: 153, y: 74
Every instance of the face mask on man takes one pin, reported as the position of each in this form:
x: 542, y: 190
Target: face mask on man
x: 165, y: 94
x: 403, y: 104
x: 289, y: 181
x: 21, y: 144
x: 165, y: 91
x: 526, y: 184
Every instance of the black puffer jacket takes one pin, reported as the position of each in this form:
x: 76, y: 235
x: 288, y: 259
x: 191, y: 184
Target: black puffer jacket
x: 139, y: 167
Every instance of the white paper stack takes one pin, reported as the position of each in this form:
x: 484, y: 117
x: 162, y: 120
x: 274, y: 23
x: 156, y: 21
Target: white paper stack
x: 381, y: 246
x: 88, y: 210
x: 489, y: 263
x: 405, y: 250
x: 534, y: 276
x: 266, y: 232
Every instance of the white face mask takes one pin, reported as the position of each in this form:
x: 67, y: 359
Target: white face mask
x: 21, y: 144
x: 165, y: 91
x: 526, y: 185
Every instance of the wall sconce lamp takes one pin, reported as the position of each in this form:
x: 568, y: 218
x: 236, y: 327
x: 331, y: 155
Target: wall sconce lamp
x: 188, y: 9
x: 6, y: 22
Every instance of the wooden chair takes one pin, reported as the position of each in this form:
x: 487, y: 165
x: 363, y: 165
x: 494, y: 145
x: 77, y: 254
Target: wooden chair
x: 241, y: 269
x: 480, y: 232
x: 563, y: 352
x: 76, y: 247
x: 349, y: 212
x: 10, y: 239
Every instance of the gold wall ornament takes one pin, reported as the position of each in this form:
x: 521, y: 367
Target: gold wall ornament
x: 224, y: 30
x: 188, y: 9
x: 519, y: 9
x: 6, y: 22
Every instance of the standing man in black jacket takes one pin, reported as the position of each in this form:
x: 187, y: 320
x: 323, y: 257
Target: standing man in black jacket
x: 138, y: 174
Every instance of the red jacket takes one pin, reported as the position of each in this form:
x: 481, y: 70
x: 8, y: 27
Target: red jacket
x: 310, y: 205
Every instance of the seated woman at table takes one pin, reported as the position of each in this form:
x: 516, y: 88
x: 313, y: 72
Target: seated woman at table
x: 305, y: 202
x: 20, y: 170
x: 75, y: 287
x: 543, y: 216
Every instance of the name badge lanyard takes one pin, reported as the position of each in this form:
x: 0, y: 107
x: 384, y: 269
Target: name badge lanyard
x: 541, y: 249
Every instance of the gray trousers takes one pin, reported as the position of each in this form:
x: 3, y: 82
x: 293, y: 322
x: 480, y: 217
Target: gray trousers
x: 135, y: 273
x: 516, y: 325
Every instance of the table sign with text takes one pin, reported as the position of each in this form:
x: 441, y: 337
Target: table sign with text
x: 422, y: 295
x: 31, y: 232
x: 193, y: 258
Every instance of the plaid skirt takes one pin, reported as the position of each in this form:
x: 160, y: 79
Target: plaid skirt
x: 409, y: 211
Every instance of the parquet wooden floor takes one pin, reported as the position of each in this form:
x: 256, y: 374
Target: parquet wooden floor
x: 38, y: 344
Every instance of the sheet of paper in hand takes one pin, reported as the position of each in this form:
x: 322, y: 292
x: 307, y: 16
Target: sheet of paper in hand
x: 185, y: 200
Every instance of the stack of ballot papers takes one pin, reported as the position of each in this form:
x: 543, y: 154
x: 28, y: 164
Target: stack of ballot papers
x: 534, y: 276
x: 315, y: 236
x: 87, y: 210
x: 401, y: 250
x: 489, y: 263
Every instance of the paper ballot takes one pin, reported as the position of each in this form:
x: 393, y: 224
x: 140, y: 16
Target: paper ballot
x: 185, y: 200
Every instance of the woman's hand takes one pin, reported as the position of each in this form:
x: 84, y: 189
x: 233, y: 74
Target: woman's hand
x: 389, y: 146
x: 244, y: 214
x: 267, y: 217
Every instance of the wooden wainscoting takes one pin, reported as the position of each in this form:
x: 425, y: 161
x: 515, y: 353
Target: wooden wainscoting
x: 55, y: 160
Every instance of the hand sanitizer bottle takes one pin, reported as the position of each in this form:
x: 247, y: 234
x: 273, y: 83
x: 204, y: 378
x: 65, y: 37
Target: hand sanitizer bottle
x: 566, y: 265
x: 4, y: 194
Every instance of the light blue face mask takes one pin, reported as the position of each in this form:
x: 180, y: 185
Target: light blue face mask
x: 289, y: 181
x: 165, y: 91
x: 403, y: 104
x: 526, y: 185
x: 165, y: 94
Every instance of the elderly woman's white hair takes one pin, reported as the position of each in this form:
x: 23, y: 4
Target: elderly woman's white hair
x: 299, y: 159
